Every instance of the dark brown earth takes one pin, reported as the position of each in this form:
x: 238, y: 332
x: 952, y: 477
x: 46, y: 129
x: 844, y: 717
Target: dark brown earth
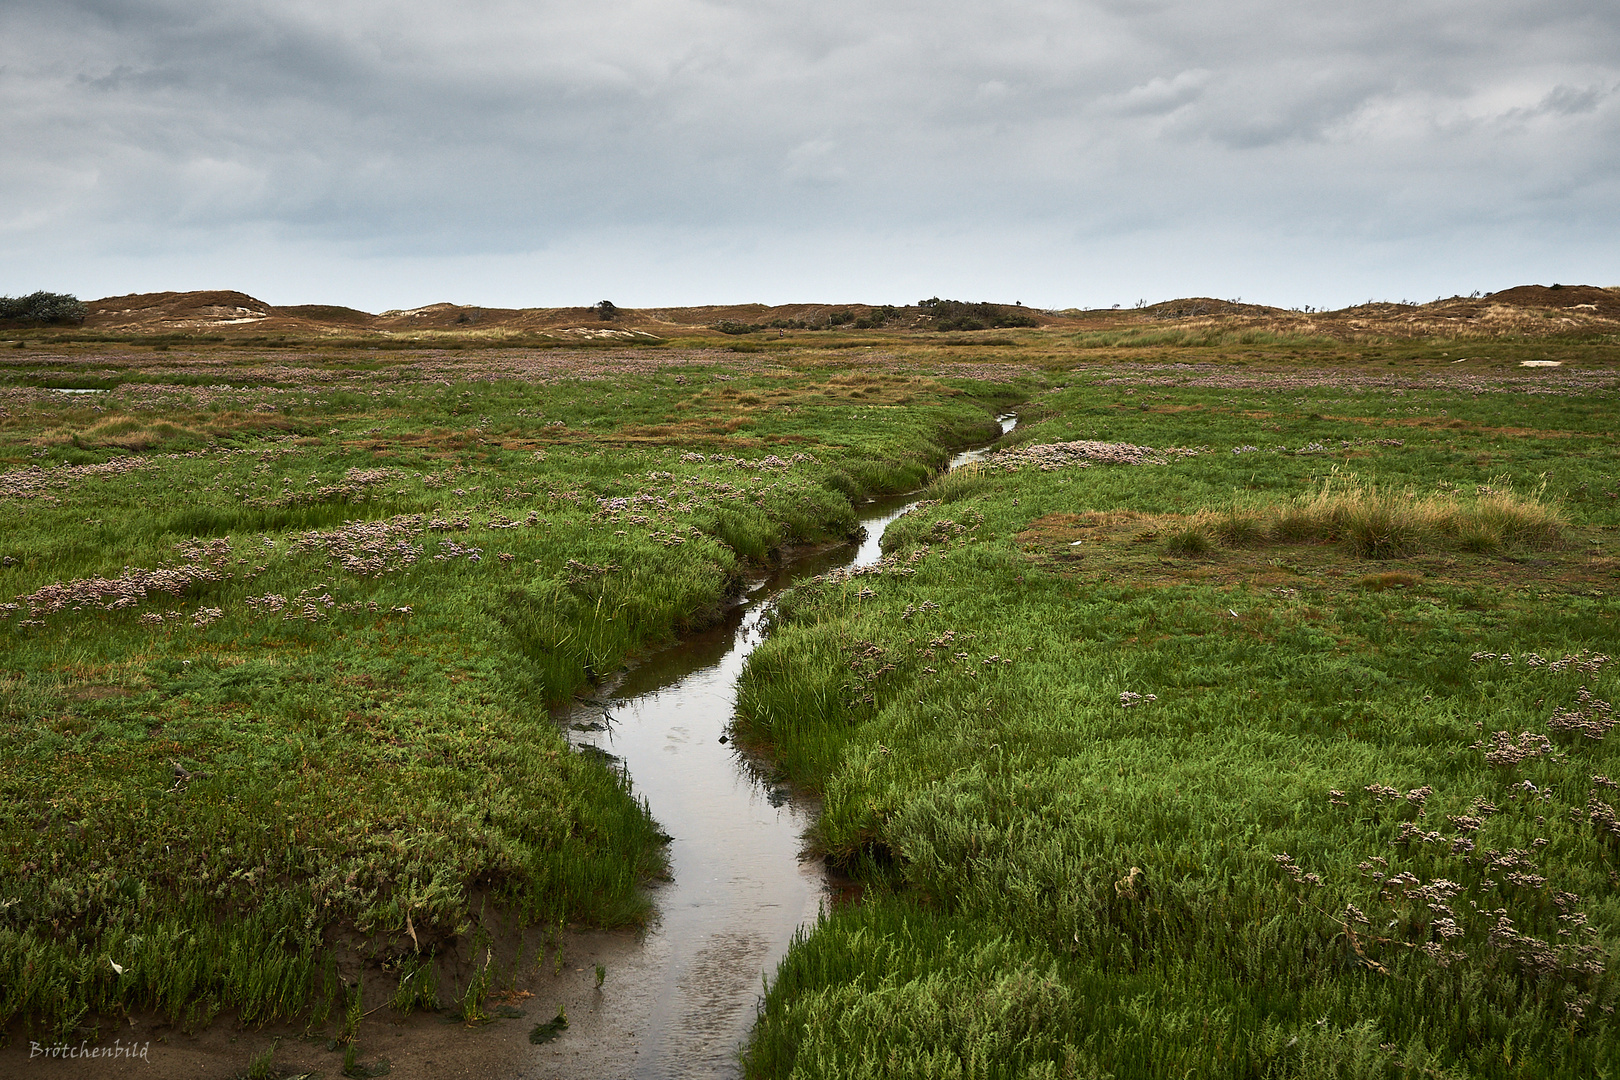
x: 609, y: 1020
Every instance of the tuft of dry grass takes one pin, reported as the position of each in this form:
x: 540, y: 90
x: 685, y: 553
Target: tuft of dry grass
x: 131, y: 433
x: 1192, y: 537
x: 1376, y: 523
x: 1240, y: 528
x: 1380, y: 523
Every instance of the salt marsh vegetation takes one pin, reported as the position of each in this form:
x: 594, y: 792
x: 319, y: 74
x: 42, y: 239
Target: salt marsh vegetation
x: 277, y: 669
x: 1248, y: 712
x: 1287, y: 752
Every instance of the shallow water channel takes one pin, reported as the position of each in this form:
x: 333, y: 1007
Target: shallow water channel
x: 740, y: 885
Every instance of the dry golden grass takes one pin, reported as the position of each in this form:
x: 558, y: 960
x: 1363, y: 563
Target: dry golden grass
x: 1374, y: 523
x: 1382, y: 523
x: 129, y: 433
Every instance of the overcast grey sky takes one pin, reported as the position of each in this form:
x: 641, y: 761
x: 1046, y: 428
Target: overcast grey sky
x: 1058, y: 152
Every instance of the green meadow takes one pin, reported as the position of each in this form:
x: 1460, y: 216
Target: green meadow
x: 280, y: 635
x: 1262, y: 730
x: 1246, y: 714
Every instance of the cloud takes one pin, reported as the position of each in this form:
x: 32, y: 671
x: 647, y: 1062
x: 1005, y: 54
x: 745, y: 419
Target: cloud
x: 423, y: 129
x: 814, y: 162
x: 1159, y: 96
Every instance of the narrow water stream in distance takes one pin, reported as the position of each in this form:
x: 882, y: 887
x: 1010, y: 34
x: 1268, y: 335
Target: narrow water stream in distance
x: 740, y: 885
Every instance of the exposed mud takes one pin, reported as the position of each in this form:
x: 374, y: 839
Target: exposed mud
x: 532, y: 986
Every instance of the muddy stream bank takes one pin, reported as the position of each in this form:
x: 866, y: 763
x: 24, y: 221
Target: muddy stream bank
x: 740, y: 884
x: 676, y: 1000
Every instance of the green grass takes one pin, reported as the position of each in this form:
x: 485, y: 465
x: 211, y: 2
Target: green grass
x: 1114, y: 750
x: 1215, y: 767
x: 278, y: 658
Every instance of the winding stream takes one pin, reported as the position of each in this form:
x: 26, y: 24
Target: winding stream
x: 740, y: 885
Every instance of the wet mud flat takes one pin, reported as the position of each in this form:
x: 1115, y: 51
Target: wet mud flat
x: 530, y: 987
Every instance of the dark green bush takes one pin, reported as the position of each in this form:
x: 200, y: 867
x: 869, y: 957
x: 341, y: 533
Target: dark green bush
x: 960, y: 315
x: 43, y: 307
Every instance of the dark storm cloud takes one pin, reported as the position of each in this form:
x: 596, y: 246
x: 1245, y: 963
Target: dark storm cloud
x: 439, y: 129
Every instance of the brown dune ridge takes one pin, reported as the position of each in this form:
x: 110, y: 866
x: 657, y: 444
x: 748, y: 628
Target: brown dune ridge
x: 1522, y: 310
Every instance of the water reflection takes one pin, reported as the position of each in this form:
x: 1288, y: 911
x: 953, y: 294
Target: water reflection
x: 739, y: 885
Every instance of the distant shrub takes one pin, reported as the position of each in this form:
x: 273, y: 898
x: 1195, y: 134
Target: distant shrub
x: 960, y: 315
x: 731, y: 326
x: 43, y: 307
x: 878, y: 316
x: 326, y: 313
x: 606, y: 311
x: 871, y: 320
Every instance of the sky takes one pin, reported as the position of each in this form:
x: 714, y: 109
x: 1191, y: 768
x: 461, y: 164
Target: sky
x: 1061, y: 153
